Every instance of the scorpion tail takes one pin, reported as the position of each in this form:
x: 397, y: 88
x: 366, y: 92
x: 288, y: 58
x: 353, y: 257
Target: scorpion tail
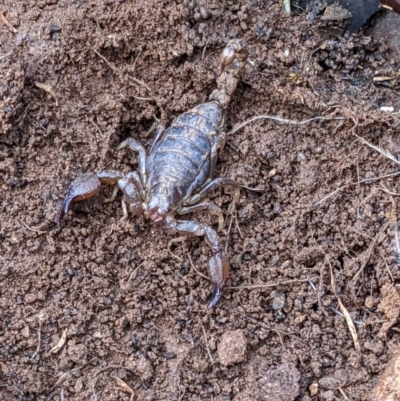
x: 219, y: 271
x: 84, y: 187
x: 235, y: 49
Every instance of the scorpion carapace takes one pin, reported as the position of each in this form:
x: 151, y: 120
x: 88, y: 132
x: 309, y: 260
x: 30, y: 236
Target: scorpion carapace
x: 177, y: 173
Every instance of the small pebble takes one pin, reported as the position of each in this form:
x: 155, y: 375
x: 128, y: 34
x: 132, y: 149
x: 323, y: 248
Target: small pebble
x: 278, y: 302
x: 30, y: 298
x: 369, y: 302
x: 313, y: 389
x: 232, y: 348
x: 25, y: 332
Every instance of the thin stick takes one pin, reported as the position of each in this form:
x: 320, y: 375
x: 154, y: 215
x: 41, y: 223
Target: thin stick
x: 229, y: 232
x: 388, y: 269
x: 136, y: 59
x: 344, y: 394
x: 200, y: 274
x: 206, y: 343
x: 9, y: 26
x: 61, y: 379
x: 368, y: 252
x: 380, y: 178
x: 134, y: 271
x: 142, y: 98
x: 396, y: 238
x: 269, y: 328
x: 40, y: 340
x: 278, y: 283
x: 48, y: 89
x: 286, y: 6
x: 96, y: 126
x: 346, y: 314
x: 354, y: 183
x: 388, y: 192
x: 35, y: 230
x: 282, y: 120
x: 5, y: 55
x: 103, y: 58
x: 319, y: 293
x: 121, y: 384
x: 373, y: 193
x: 382, y: 152
x: 94, y: 382
x: 329, y: 195
x: 361, y: 233
x: 138, y: 81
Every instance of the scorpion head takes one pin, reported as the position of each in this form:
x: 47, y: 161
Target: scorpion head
x: 156, y: 210
x: 160, y: 205
x: 235, y: 49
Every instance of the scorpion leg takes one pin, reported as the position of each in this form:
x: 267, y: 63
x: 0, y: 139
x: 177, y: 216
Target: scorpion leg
x: 136, y: 146
x: 132, y: 200
x: 159, y: 128
x: 211, y: 207
x: 210, y: 186
x: 131, y: 187
x: 216, y: 150
x: 218, y: 265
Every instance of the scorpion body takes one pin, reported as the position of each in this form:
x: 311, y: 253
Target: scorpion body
x: 178, y: 171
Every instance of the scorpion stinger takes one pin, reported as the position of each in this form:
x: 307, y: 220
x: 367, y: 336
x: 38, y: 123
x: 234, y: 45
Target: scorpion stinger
x: 177, y: 174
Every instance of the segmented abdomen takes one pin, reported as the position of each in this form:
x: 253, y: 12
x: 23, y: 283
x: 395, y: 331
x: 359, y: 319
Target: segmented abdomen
x: 180, y: 162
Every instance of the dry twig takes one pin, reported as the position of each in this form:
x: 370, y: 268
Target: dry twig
x: 47, y: 88
x: 60, y: 343
x: 200, y: 274
x: 39, y: 339
x: 269, y: 328
x: 125, y: 387
x: 381, y: 151
x: 104, y: 59
x: 282, y: 120
x: 278, y: 283
x: 350, y: 324
x: 8, y: 25
x: 330, y: 195
x: 138, y: 81
x: 65, y: 376
x: 94, y: 381
x: 96, y: 126
x: 5, y: 55
x: 206, y: 342
x: 346, y: 314
x: 344, y: 394
x: 34, y: 229
x: 371, y: 246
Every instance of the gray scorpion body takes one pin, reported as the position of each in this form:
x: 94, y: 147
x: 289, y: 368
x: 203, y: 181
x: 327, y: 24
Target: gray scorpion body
x: 177, y: 174
x: 181, y: 161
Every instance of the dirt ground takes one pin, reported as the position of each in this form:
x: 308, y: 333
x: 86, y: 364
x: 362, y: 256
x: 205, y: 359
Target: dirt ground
x: 78, y: 77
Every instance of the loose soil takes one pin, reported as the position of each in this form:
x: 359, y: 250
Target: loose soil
x: 78, y: 77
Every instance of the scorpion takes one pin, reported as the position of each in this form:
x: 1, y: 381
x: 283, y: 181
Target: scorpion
x: 177, y: 172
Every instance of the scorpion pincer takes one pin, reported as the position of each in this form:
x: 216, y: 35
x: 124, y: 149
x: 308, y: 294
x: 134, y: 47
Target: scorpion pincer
x: 177, y: 173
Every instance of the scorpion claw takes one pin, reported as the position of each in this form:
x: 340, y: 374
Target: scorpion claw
x: 84, y: 187
x: 219, y: 271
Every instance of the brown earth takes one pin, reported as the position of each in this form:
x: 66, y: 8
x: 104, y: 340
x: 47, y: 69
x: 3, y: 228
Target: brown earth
x: 78, y: 77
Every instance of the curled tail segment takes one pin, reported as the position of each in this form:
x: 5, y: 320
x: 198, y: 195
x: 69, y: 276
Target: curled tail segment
x: 232, y: 61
